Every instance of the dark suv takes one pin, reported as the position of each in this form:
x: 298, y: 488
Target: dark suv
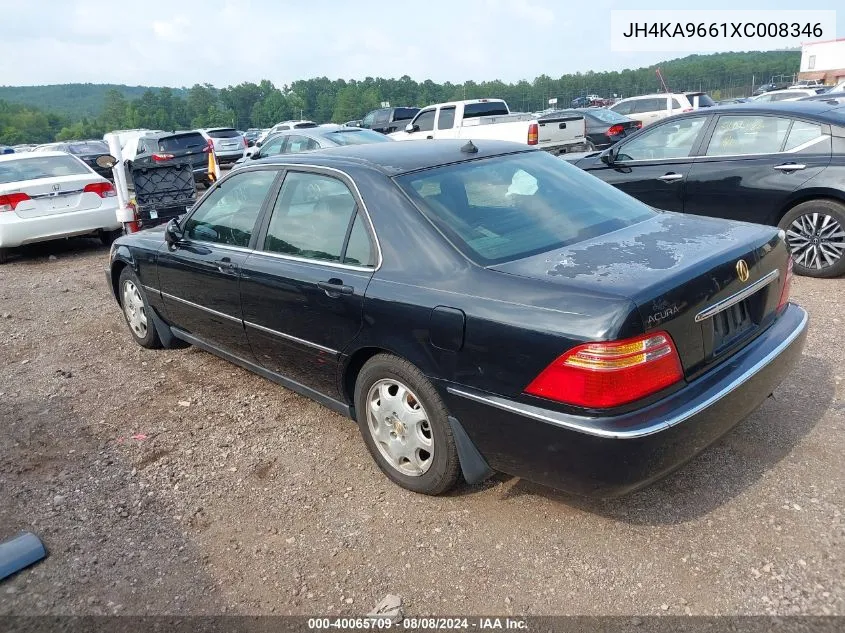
x: 387, y: 120
x: 159, y: 147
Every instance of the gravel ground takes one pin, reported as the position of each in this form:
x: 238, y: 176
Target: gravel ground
x: 171, y: 482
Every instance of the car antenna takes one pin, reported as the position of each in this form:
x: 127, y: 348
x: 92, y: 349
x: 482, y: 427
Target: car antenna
x: 469, y: 148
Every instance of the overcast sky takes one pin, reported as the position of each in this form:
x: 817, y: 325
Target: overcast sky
x: 223, y: 42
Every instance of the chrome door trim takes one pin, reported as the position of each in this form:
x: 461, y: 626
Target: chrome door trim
x: 203, y: 308
x: 295, y: 339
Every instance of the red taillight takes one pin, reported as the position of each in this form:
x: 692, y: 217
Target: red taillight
x: 787, y: 285
x: 209, y: 146
x: 615, y: 130
x: 160, y: 158
x: 243, y: 138
x: 8, y: 201
x: 612, y: 373
x: 533, y: 134
x: 102, y: 189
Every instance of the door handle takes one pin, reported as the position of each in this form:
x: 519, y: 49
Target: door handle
x: 562, y: 126
x: 226, y: 266
x: 335, y: 288
x: 671, y: 177
x: 789, y: 167
x: 429, y: 137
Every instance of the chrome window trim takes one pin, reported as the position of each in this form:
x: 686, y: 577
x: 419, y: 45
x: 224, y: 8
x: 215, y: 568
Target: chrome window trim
x: 380, y: 258
x: 289, y: 337
x: 228, y: 247
x: 520, y: 409
x: 746, y: 292
x: 203, y: 308
x: 321, y: 262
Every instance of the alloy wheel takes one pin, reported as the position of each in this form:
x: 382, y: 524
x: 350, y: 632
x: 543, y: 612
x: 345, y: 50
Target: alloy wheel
x: 816, y: 240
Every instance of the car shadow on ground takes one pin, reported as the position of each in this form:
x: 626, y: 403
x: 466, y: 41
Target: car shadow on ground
x: 70, y: 247
x: 725, y: 469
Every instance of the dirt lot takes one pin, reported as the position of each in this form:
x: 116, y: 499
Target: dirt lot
x: 173, y: 482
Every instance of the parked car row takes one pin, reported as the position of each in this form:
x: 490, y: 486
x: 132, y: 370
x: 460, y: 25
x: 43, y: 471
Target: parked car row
x: 780, y: 164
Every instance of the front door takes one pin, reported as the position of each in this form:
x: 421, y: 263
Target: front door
x: 200, y: 276
x: 653, y: 166
x: 303, y: 288
x: 751, y: 165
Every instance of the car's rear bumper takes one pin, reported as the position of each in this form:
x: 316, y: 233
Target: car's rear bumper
x: 228, y: 157
x: 17, y: 231
x: 615, y: 455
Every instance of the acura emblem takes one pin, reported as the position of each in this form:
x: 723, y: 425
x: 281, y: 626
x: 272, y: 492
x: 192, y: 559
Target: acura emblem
x: 742, y: 270
x: 56, y: 187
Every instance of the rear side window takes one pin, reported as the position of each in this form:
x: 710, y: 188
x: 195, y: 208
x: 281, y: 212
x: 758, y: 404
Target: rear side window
x: 224, y: 133
x: 446, y: 119
x: 508, y: 207
x: 296, y: 144
x: 488, y: 108
x: 748, y: 134
x: 39, y: 167
x: 311, y: 219
x: 607, y: 116
x: 623, y: 108
x: 803, y: 133
x: 704, y: 100
x: 181, y: 142
x: 676, y: 105
x: 403, y: 114
x: 356, y: 137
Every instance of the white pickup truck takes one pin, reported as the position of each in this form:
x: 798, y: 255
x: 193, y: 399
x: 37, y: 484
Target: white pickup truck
x: 492, y: 119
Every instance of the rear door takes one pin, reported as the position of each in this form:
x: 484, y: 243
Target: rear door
x: 752, y: 163
x: 200, y: 277
x: 653, y: 166
x: 303, y: 288
x: 446, y: 122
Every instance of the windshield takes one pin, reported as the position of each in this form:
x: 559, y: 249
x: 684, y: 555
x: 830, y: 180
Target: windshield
x: 181, y: 142
x: 39, y: 167
x: 508, y: 207
x: 92, y: 147
x: 607, y: 116
x: 356, y: 137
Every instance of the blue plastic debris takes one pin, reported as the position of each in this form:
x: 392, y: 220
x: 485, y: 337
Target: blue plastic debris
x: 19, y: 552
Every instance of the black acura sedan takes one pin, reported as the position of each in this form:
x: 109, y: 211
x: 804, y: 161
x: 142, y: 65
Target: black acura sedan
x: 781, y: 164
x: 476, y: 308
x: 604, y: 127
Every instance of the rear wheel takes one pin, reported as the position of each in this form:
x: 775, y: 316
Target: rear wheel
x: 108, y: 237
x: 136, y: 310
x: 405, y: 425
x: 815, y: 234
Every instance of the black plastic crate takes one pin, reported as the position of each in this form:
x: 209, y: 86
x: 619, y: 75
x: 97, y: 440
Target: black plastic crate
x: 163, y: 191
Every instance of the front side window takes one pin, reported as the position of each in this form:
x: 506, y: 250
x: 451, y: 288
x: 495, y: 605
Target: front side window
x: 311, y: 219
x: 675, y: 139
x: 273, y: 147
x: 508, y: 207
x: 382, y: 117
x: 623, y: 108
x: 747, y: 134
x: 425, y: 121
x: 368, y: 120
x: 229, y: 212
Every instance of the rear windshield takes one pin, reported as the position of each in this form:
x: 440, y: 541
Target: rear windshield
x: 87, y: 148
x: 41, y: 167
x: 300, y: 126
x: 400, y: 114
x: 225, y: 133
x: 178, y: 142
x: 356, y: 137
x: 489, y: 108
x: 608, y: 116
x: 508, y: 207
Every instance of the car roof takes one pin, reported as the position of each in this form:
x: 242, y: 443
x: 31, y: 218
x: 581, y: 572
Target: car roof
x: 401, y: 157
x: 818, y: 109
x: 320, y: 131
x: 25, y: 155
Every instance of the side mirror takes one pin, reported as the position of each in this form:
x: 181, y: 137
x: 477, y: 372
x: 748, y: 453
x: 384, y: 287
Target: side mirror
x: 411, y: 128
x: 250, y: 143
x: 106, y: 161
x: 608, y: 156
x: 173, y: 233
x: 254, y: 155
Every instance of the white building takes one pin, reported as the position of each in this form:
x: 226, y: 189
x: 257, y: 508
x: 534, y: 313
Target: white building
x: 824, y: 61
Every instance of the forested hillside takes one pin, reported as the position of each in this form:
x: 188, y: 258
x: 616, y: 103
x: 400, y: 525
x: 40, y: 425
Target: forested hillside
x: 44, y: 113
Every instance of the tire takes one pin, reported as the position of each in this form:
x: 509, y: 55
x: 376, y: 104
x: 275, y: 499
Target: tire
x: 421, y: 426
x: 815, y: 234
x: 591, y: 146
x: 4, y: 255
x: 108, y: 237
x: 136, y: 310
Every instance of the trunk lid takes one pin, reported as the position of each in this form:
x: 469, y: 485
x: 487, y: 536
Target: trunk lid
x: 683, y: 274
x: 56, y: 195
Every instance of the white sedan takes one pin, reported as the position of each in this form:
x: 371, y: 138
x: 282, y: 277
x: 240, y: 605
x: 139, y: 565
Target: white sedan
x: 51, y: 195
